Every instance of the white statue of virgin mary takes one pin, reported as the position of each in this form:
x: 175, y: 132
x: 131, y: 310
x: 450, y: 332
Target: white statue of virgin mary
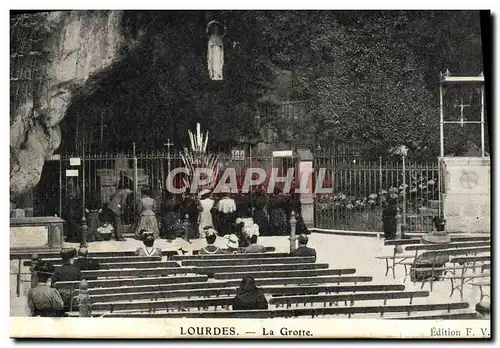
x: 215, y: 53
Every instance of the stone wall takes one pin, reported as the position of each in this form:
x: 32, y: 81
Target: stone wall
x: 52, y: 57
x: 467, y: 198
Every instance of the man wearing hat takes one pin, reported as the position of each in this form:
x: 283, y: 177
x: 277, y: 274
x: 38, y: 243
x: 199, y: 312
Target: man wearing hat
x: 67, y: 272
x: 211, y: 248
x: 43, y: 300
x: 303, y: 250
x: 84, y: 263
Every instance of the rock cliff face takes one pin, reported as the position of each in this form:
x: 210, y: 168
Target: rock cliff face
x: 52, y: 57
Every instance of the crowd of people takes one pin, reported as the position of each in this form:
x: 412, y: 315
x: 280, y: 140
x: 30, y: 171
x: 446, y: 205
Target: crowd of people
x: 45, y: 300
x: 166, y: 215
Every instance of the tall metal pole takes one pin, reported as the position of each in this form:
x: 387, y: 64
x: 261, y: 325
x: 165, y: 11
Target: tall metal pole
x: 60, y: 185
x: 135, y: 170
x: 83, y: 178
x: 441, y: 130
x: 404, y: 190
x: 482, y: 120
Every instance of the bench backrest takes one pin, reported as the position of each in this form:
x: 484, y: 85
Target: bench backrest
x: 136, y: 272
x: 168, y: 304
x: 259, y: 268
x: 458, y: 251
x: 286, y: 273
x: 467, y: 259
x: 120, y: 286
x: 451, y: 245
x: 125, y: 259
x: 140, y: 264
x: 465, y: 238
x: 245, y: 261
x: 133, y: 281
x: 363, y: 296
x: 297, y: 312
x: 459, y: 315
x: 228, y: 256
x: 136, y: 293
x: 56, y: 254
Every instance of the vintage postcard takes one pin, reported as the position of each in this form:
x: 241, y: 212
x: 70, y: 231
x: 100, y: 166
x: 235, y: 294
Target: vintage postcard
x: 250, y: 174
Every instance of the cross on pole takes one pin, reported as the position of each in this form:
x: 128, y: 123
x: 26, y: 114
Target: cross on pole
x: 168, y: 144
x: 462, y: 107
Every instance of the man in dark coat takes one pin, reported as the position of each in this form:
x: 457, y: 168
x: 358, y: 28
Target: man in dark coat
x: 67, y: 272
x: 84, y: 263
x: 43, y: 300
x: 389, y: 219
x: 118, y: 206
x: 303, y: 250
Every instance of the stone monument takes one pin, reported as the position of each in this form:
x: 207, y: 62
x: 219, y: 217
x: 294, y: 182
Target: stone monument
x: 465, y: 190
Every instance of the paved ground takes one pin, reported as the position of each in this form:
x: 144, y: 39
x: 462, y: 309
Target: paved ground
x: 337, y: 251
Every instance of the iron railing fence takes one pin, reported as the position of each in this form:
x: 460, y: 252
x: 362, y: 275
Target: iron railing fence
x: 75, y: 182
x: 361, y: 188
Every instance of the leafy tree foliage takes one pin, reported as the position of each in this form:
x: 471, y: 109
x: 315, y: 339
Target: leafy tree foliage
x: 370, y: 76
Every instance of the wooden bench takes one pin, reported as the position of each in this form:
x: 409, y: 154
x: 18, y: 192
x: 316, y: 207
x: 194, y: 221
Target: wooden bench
x: 133, y: 281
x: 392, y: 261
x: 210, y: 271
x: 449, y: 249
x: 452, y: 245
x: 287, y: 273
x: 433, y: 251
x: 242, y: 261
x: 127, y: 259
x: 140, y: 264
x: 452, y: 234
x: 445, y: 316
x: 463, y: 279
x: 179, y: 304
x: 296, y: 312
x: 121, y: 286
x: 205, y: 303
x: 136, y: 272
x: 228, y: 256
x: 363, y: 296
x: 470, y: 261
x: 480, y: 284
x: 465, y: 238
x: 135, y: 293
x: 44, y: 254
x: 170, y: 254
x: 309, y: 280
